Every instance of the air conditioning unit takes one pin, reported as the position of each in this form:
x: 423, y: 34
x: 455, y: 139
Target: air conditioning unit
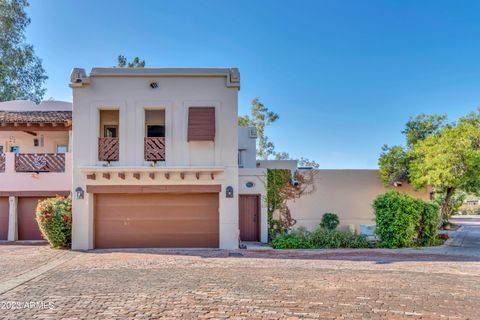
x: 252, y: 133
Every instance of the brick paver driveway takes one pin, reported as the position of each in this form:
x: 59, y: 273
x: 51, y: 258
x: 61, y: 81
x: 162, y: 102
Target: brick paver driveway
x: 152, y: 284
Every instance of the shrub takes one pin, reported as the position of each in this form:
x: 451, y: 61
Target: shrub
x: 403, y: 221
x: 291, y: 241
x: 397, y: 216
x: 54, y: 217
x: 428, y: 224
x: 320, y: 238
x: 329, y: 221
x: 325, y: 238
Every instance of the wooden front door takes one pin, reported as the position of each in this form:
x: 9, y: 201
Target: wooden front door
x: 249, y: 219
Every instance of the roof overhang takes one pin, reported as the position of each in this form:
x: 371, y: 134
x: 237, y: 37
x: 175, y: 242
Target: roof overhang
x: 35, y: 126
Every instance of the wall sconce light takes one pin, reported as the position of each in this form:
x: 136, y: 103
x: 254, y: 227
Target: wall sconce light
x: 229, y: 192
x: 79, y: 193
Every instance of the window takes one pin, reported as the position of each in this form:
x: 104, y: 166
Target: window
x: 241, y: 156
x: 62, y: 148
x: 201, y: 124
x: 15, y: 149
x: 110, y: 131
x: 109, y: 123
x: 1, y: 149
x: 155, y: 131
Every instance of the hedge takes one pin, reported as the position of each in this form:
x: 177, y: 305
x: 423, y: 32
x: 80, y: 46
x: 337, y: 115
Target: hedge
x: 403, y: 221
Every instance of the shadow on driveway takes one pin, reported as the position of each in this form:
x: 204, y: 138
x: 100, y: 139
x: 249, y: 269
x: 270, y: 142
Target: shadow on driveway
x: 379, y: 256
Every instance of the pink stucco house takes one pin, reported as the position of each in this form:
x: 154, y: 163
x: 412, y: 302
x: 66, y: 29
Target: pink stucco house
x: 35, y: 162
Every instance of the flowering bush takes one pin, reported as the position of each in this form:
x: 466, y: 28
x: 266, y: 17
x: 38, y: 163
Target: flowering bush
x: 54, y: 217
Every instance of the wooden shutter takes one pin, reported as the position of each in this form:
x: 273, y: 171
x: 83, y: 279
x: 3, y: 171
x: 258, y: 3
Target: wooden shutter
x: 201, y: 124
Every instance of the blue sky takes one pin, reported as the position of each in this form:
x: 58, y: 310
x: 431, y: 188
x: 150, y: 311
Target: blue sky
x: 344, y: 76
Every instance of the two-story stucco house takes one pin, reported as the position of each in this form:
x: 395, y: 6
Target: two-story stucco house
x: 35, y: 162
x: 156, y: 159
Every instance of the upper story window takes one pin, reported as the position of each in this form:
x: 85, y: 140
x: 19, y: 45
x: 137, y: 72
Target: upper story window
x: 241, y: 158
x: 62, y: 148
x: 154, y: 135
x: 108, y: 142
x: 155, y: 123
x: 201, y: 124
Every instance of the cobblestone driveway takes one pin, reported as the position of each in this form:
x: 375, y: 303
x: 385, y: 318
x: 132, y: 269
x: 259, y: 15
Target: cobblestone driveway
x: 152, y: 284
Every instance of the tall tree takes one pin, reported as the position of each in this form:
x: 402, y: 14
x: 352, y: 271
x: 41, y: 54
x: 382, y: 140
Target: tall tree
x: 394, y: 161
x: 136, y: 63
x: 260, y: 117
x: 21, y: 73
x: 445, y: 156
x: 448, y: 161
x: 423, y: 125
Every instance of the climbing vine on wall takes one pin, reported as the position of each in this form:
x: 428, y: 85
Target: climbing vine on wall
x: 280, y: 189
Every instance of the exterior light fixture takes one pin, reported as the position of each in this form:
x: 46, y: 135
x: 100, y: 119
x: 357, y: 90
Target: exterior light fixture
x: 154, y: 84
x: 229, y: 192
x: 79, y: 193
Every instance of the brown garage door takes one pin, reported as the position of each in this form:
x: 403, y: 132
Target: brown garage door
x: 156, y: 220
x: 3, y: 218
x: 27, y: 225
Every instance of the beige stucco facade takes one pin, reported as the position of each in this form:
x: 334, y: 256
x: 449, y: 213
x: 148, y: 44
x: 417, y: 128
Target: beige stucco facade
x: 187, y: 163
x: 348, y: 193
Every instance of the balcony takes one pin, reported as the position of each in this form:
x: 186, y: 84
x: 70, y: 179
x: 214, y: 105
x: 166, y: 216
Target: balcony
x: 108, y: 149
x: 32, y: 162
x: 154, y: 149
x: 35, y: 172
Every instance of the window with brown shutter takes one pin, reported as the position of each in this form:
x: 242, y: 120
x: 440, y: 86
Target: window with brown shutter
x: 201, y: 124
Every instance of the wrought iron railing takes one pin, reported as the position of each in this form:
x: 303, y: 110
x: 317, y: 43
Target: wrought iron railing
x: 155, y: 149
x: 40, y: 162
x: 108, y: 149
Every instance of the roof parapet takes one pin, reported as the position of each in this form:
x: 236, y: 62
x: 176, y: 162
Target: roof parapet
x: 78, y: 76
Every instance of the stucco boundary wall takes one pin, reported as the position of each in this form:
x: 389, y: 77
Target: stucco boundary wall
x: 348, y: 193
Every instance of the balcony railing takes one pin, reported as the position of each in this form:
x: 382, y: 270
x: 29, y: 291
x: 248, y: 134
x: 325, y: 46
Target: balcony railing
x: 108, y: 149
x: 3, y: 159
x: 155, y: 149
x: 33, y: 162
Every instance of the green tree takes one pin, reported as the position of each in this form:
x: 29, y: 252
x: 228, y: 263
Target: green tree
x: 423, y: 125
x: 394, y: 161
x: 260, y: 117
x: 449, y: 161
x: 136, y: 63
x: 21, y: 73
x: 393, y: 164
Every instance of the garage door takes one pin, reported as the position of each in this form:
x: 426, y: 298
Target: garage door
x: 156, y: 220
x: 27, y: 225
x: 3, y: 218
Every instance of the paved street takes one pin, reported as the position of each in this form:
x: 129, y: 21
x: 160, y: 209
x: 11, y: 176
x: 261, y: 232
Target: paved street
x: 469, y: 235
x: 154, y: 284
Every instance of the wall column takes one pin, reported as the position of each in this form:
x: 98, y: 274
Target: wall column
x: 12, y: 218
